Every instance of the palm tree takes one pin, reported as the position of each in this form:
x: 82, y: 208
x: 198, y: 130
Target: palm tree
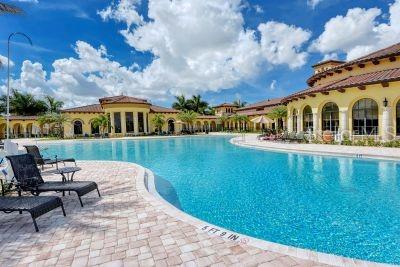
x: 237, y: 118
x: 9, y: 9
x: 103, y: 122
x: 188, y: 117
x: 181, y: 103
x: 158, y: 120
x: 239, y: 103
x: 197, y: 104
x: 223, y: 119
x: 26, y: 104
x: 278, y: 113
x: 57, y: 120
x: 53, y: 105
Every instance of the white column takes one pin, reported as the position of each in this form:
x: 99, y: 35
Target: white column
x: 343, y: 123
x: 112, y: 122
x: 315, y: 123
x: 123, y: 123
x: 386, y: 129
x: 290, y: 123
x: 136, y: 122
x: 299, y: 122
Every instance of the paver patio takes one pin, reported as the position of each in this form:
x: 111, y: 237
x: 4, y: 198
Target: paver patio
x: 120, y: 229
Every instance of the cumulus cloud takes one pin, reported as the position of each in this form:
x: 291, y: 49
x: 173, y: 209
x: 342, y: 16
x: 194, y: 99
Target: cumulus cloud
x: 359, y: 32
x: 3, y: 61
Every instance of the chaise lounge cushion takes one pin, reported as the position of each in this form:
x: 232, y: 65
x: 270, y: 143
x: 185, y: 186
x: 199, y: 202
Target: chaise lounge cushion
x: 80, y: 187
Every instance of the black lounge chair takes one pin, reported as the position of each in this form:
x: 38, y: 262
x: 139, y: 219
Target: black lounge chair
x: 36, y: 206
x: 34, y: 150
x: 29, y: 179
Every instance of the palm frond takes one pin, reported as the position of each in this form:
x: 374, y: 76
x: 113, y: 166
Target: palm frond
x: 9, y: 9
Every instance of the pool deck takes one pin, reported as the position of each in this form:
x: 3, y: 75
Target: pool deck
x: 126, y: 227
x: 387, y: 153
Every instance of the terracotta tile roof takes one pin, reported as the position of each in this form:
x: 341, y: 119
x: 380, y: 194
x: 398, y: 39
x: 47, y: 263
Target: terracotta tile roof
x: 352, y: 81
x: 158, y: 109
x: 264, y: 103
x: 327, y: 61
x: 95, y: 108
x: 225, y: 105
x: 254, y: 112
x: 391, y: 51
x: 122, y: 99
x: 19, y: 117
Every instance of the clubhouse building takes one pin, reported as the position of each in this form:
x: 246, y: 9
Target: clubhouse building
x: 358, y: 98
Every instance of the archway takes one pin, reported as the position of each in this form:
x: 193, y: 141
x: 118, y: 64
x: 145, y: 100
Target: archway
x: 213, y: 127
x: 171, y: 126
x: 78, y: 127
x: 17, y: 130
x: 365, y: 117
x: 330, y: 117
x: 29, y: 131
x: 198, y: 126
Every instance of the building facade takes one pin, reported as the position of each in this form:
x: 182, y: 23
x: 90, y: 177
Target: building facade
x: 358, y: 99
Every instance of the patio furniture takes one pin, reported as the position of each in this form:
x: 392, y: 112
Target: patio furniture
x: 30, y: 179
x: 36, y: 206
x: 34, y: 150
x: 300, y: 137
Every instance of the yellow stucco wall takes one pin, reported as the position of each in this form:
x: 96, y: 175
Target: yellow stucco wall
x: 19, y: 128
x: 85, y: 118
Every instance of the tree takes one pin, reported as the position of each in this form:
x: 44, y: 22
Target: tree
x: 158, y: 120
x: 181, y: 103
x: 56, y: 120
x: 188, y: 117
x: 103, y: 122
x: 223, y: 119
x: 197, y: 104
x: 278, y: 112
x: 239, y: 103
x: 53, y: 105
x: 238, y: 118
x: 26, y: 104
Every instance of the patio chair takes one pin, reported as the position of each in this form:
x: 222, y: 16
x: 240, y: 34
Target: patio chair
x: 36, y: 206
x: 29, y: 179
x: 291, y: 137
x: 35, y: 152
x: 300, y: 137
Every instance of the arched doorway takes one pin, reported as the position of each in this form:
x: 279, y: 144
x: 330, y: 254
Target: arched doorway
x: 294, y: 120
x: 213, y: 126
x: 78, y: 128
x: 365, y: 117
x: 398, y: 118
x: 17, y: 130
x: 171, y: 126
x: 206, y: 126
x: 198, y: 126
x: 308, y: 124
x: 330, y: 117
x: 29, y: 127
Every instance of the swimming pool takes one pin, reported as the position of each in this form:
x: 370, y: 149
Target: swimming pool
x: 344, y: 206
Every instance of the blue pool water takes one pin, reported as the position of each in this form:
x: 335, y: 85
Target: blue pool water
x: 338, y: 205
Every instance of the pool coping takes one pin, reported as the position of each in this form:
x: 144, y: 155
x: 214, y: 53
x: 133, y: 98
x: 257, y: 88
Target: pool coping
x: 235, y: 141
x: 150, y: 194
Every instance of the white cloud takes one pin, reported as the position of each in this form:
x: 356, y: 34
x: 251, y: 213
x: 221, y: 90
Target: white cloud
x: 205, y: 47
x: 258, y: 9
x: 3, y: 61
x: 313, y: 3
x: 124, y: 11
x: 359, y: 32
x: 273, y: 85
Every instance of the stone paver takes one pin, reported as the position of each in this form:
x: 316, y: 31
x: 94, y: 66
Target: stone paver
x: 120, y: 229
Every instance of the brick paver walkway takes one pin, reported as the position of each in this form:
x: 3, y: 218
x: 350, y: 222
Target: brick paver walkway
x: 120, y: 229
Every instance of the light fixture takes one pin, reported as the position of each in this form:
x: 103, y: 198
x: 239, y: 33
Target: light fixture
x: 385, y: 102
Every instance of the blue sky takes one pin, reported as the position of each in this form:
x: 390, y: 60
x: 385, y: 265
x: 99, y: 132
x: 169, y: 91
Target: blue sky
x: 152, y: 58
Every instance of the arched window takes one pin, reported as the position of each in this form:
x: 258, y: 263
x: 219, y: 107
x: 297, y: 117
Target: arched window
x: 398, y: 118
x: 294, y: 120
x: 77, y: 127
x: 365, y: 117
x: 171, y: 126
x: 307, y: 119
x: 330, y: 117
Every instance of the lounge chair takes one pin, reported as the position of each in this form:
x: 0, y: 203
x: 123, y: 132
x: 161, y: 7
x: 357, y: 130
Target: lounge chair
x: 36, y: 206
x: 29, y: 179
x: 35, y: 152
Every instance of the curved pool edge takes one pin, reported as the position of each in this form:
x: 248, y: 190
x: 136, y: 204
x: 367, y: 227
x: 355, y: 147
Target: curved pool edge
x: 145, y: 186
x: 235, y: 141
